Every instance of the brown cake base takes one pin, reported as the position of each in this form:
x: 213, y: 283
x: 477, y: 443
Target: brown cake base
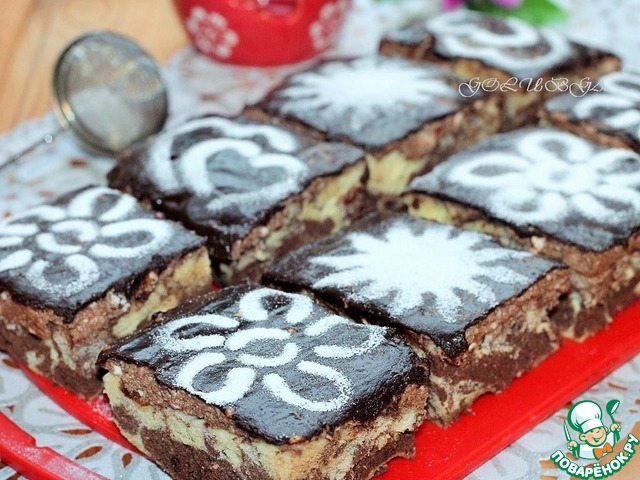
x: 327, y: 205
x: 521, y: 106
x: 191, y: 440
x: 601, y: 281
x: 592, y: 320
x: 66, y: 352
x: 510, y: 341
x: 391, y: 168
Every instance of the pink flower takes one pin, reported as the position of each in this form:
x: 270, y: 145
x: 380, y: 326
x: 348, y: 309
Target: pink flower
x: 453, y: 4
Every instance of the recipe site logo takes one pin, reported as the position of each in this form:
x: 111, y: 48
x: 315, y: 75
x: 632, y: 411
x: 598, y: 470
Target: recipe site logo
x: 594, y: 439
x: 556, y: 85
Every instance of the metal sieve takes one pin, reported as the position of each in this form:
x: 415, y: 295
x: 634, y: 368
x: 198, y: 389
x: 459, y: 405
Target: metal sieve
x: 108, y: 91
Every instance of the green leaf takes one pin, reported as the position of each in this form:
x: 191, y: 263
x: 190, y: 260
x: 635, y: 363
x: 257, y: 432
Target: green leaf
x: 538, y: 12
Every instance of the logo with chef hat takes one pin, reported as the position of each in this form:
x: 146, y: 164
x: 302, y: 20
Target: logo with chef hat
x: 586, y: 418
x: 597, y: 442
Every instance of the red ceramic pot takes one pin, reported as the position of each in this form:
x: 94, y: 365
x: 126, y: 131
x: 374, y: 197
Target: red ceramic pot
x: 262, y: 32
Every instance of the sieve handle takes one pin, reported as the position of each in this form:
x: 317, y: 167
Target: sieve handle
x: 20, y: 156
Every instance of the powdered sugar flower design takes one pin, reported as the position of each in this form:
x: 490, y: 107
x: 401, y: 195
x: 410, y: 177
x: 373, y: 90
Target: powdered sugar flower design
x: 50, y: 240
x: 409, y: 267
x: 551, y: 176
x: 618, y: 107
x: 324, y: 30
x: 258, y: 355
x: 211, y: 33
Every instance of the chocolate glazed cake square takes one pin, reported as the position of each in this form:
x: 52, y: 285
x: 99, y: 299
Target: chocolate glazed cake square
x: 477, y: 311
x: 504, y: 51
x: 85, y: 270
x: 256, y: 384
x: 557, y: 194
x: 254, y: 190
x: 406, y: 116
x: 610, y: 116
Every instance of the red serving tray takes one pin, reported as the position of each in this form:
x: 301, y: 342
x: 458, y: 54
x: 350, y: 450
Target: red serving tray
x: 442, y: 454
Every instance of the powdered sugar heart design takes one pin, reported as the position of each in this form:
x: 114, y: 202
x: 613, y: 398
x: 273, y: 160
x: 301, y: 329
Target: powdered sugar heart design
x: 205, y: 168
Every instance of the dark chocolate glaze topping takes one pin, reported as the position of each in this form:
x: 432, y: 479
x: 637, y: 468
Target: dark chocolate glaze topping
x: 410, y: 273
x: 66, y: 254
x: 223, y: 177
x: 612, y: 105
x: 506, y: 44
x: 286, y: 367
x: 367, y: 101
x: 543, y: 181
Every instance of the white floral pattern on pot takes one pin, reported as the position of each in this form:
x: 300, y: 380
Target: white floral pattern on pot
x: 211, y: 33
x: 324, y: 30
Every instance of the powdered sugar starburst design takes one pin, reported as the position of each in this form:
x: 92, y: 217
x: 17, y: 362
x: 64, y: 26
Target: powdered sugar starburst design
x: 325, y: 28
x: 363, y: 89
x: 211, y: 33
x: 408, y: 266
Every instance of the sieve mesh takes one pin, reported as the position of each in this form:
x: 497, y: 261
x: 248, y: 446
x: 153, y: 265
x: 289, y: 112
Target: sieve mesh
x: 109, y: 92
